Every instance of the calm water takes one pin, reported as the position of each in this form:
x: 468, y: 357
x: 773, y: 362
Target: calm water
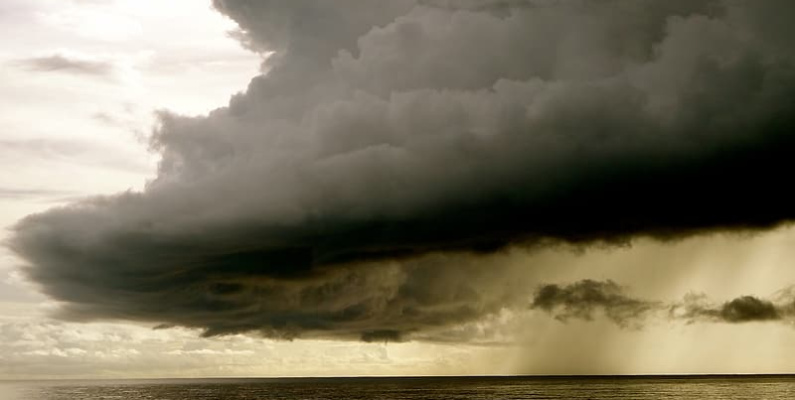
x: 756, y: 388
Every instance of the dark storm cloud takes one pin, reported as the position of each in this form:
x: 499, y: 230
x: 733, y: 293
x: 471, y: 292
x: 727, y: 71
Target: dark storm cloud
x: 584, y: 299
x: 748, y: 308
x: 742, y: 309
x: 387, y: 131
x: 68, y: 64
x: 382, y: 336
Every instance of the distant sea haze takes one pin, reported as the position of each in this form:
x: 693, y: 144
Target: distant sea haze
x: 530, y: 387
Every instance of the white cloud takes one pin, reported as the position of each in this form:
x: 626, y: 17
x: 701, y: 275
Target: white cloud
x: 71, y: 124
x: 94, y: 24
x: 42, y: 348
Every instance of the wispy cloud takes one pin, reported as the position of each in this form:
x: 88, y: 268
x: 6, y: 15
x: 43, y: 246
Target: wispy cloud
x: 75, y: 151
x: 26, y: 193
x: 71, y: 64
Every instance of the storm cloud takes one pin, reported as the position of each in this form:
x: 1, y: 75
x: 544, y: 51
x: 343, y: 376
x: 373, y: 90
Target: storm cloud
x: 584, y: 299
x: 344, y: 193
x: 696, y: 308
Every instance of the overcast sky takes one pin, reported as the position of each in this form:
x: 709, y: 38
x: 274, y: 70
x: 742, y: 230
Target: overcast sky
x: 269, y: 188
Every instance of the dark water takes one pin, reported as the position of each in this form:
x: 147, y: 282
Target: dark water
x: 715, y: 387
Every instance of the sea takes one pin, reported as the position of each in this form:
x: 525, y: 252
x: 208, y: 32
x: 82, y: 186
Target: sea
x: 756, y: 387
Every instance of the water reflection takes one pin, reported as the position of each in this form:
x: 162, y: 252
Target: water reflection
x: 770, y: 387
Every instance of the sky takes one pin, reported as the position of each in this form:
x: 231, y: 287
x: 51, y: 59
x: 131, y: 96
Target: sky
x: 414, y: 187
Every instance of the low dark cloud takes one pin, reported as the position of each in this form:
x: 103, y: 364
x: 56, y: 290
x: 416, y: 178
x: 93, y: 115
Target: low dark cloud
x: 583, y: 299
x: 749, y: 308
x: 697, y: 308
x: 68, y: 64
x: 374, y: 302
x: 382, y: 336
x: 389, y: 132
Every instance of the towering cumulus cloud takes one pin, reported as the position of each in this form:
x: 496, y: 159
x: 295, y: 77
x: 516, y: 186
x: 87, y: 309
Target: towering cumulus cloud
x: 385, y: 141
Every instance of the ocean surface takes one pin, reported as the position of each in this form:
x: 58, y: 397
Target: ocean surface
x: 703, y: 387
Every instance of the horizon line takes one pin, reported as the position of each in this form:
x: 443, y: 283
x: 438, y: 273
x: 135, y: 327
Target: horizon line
x: 374, y: 377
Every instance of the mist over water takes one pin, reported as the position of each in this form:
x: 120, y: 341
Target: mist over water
x: 639, y: 387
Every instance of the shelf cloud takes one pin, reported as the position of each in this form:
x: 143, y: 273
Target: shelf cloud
x: 348, y: 192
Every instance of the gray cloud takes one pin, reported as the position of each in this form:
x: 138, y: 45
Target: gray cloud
x: 749, y: 308
x: 583, y: 299
x: 384, y: 132
x: 377, y: 302
x: 68, y: 64
x: 742, y: 309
